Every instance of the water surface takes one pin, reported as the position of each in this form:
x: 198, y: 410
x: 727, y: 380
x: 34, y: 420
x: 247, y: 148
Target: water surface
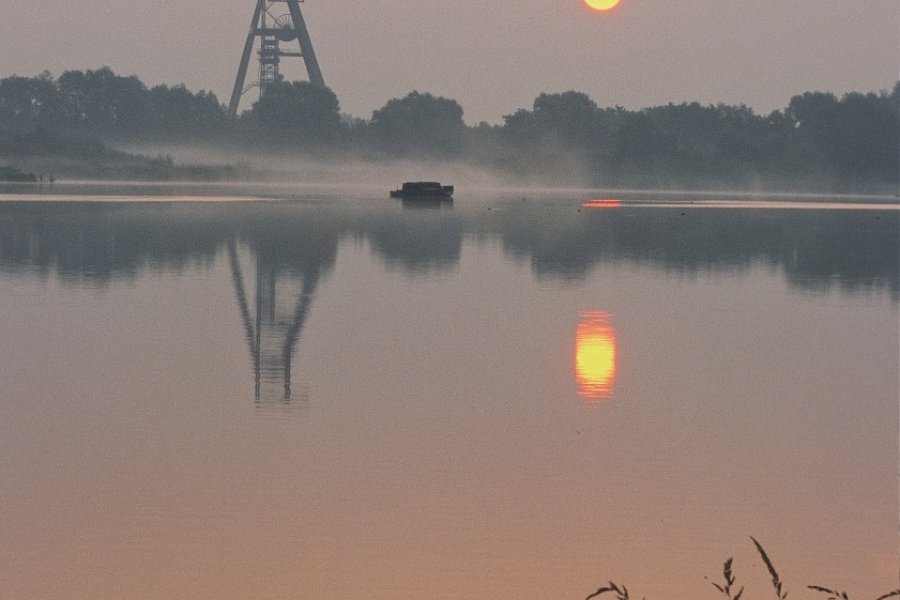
x: 269, y: 393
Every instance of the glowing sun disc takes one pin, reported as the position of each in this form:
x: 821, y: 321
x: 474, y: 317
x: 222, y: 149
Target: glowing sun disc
x: 602, y: 5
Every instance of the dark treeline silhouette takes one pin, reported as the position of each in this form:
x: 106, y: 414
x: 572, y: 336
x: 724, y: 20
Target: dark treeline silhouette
x: 817, y: 141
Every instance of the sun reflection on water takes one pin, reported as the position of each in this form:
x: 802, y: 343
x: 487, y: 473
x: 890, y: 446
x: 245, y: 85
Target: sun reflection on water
x: 595, y: 356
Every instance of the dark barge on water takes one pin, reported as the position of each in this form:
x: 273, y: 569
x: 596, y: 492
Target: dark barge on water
x: 423, y: 190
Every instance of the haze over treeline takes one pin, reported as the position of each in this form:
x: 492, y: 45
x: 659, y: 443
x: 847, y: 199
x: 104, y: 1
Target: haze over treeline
x: 818, y: 140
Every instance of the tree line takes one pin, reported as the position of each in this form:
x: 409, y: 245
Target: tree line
x: 851, y: 142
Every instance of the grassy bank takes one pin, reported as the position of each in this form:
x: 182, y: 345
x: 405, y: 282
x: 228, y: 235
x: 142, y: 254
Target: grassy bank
x: 730, y: 589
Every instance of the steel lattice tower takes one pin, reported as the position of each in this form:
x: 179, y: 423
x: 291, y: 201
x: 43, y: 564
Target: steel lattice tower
x: 272, y: 30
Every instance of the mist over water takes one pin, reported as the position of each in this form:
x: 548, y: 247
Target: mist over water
x: 372, y: 174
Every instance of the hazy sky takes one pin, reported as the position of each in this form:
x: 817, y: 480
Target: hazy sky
x: 493, y: 56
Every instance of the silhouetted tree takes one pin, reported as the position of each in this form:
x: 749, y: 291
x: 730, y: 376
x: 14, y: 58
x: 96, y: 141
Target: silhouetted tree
x: 419, y: 124
x: 856, y: 138
x: 569, y: 116
x: 862, y: 136
x: 104, y: 103
x: 564, y: 134
x: 640, y: 141
x: 176, y: 113
x: 520, y: 127
x: 298, y: 114
x: 29, y: 102
x: 809, y: 115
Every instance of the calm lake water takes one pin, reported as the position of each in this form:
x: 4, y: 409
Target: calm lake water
x: 321, y: 394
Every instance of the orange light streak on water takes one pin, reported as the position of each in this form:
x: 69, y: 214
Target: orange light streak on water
x: 602, y: 203
x: 595, y: 356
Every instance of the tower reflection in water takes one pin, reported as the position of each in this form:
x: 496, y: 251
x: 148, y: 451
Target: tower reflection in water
x: 595, y: 356
x: 273, y: 322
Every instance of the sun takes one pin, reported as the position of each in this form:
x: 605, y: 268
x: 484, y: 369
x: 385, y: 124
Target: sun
x: 602, y: 5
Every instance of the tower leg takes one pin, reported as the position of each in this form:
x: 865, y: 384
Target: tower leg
x: 241, y: 78
x: 306, y: 47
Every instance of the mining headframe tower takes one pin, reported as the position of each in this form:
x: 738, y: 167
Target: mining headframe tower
x: 273, y: 30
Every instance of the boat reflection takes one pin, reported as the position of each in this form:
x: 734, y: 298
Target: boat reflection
x: 426, y: 203
x: 595, y: 356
